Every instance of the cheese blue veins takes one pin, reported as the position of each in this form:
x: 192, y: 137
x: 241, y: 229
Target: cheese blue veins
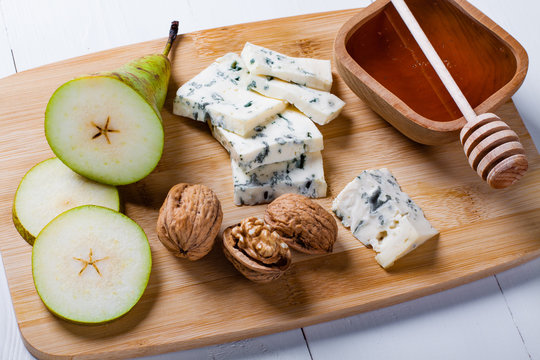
x: 313, y: 73
x: 382, y: 216
x: 302, y: 175
x: 275, y: 148
x: 286, y: 137
x: 320, y: 106
x: 220, y: 95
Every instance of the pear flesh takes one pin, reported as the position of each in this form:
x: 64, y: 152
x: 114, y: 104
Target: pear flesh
x: 50, y: 188
x: 105, y: 130
x: 107, y: 126
x: 91, y: 264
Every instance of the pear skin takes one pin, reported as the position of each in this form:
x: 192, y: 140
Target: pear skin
x: 50, y: 188
x: 79, y: 276
x: 148, y: 75
x: 107, y: 126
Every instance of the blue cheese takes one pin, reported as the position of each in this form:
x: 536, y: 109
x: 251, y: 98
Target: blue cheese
x: 303, y: 175
x: 221, y: 95
x: 312, y: 73
x: 285, y: 137
x: 382, y: 216
x: 320, y: 106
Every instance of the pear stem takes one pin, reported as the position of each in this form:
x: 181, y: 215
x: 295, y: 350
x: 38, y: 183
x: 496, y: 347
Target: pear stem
x: 172, y: 36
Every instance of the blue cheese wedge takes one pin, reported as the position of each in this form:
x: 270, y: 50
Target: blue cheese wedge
x: 303, y: 175
x: 312, y: 73
x: 382, y: 216
x: 320, y: 106
x: 286, y: 137
x: 220, y: 95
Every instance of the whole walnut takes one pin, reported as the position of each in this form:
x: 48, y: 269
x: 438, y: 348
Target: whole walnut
x: 302, y: 223
x: 189, y: 220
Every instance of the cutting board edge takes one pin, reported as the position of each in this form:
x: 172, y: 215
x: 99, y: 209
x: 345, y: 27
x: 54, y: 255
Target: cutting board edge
x: 213, y: 339
x: 155, y: 349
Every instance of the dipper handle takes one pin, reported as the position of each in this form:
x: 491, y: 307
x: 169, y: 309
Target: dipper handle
x: 493, y: 149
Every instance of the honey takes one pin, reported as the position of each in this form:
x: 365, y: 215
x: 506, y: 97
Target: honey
x: 480, y: 62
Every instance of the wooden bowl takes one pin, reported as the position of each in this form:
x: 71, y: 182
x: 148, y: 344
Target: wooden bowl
x: 380, y: 61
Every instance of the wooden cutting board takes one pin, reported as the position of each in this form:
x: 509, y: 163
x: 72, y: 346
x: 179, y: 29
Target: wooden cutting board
x: 192, y: 304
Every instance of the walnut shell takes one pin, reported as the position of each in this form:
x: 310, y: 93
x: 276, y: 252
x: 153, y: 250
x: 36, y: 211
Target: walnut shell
x: 189, y: 220
x: 302, y: 223
x: 258, y: 253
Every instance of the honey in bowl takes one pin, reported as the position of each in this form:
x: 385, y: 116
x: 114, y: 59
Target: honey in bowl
x: 479, y: 62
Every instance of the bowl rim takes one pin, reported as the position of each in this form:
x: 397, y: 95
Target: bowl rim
x: 497, y: 98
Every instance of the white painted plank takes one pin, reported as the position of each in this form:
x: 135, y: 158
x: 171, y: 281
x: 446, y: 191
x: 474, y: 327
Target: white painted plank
x: 7, y: 67
x: 282, y: 346
x: 45, y: 32
x: 262, y: 10
x: 521, y: 288
x: 468, y: 322
x: 11, y: 345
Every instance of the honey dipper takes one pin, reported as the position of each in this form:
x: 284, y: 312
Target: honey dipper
x: 493, y: 149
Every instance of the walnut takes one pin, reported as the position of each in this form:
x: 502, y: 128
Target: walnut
x: 189, y: 220
x: 302, y: 223
x: 256, y: 251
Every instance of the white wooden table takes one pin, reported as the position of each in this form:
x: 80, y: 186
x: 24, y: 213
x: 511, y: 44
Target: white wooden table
x: 494, y: 318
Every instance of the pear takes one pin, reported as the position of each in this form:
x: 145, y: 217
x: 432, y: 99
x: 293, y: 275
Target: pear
x: 107, y: 126
x: 49, y: 189
x: 91, y: 264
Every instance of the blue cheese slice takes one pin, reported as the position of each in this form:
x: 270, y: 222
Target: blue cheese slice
x: 286, y: 137
x: 320, y: 106
x: 382, y: 216
x: 303, y: 175
x: 312, y: 73
x: 220, y: 95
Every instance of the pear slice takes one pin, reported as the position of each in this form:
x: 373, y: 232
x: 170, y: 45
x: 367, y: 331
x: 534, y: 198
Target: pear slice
x: 107, y: 126
x: 91, y: 264
x: 104, y: 130
x: 50, y: 188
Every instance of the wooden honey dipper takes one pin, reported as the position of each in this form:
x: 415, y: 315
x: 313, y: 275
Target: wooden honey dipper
x: 493, y: 149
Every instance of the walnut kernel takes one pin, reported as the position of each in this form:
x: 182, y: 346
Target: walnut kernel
x: 256, y: 251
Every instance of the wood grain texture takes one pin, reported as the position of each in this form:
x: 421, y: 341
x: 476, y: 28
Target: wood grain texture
x: 493, y: 150
x: 205, y: 302
x: 499, y: 157
x: 381, y: 61
x: 521, y: 285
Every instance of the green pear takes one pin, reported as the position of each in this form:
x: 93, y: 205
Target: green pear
x: 91, y: 264
x: 49, y: 189
x: 107, y: 126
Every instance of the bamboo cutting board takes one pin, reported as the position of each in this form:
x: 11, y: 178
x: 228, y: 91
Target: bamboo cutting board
x: 192, y: 304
